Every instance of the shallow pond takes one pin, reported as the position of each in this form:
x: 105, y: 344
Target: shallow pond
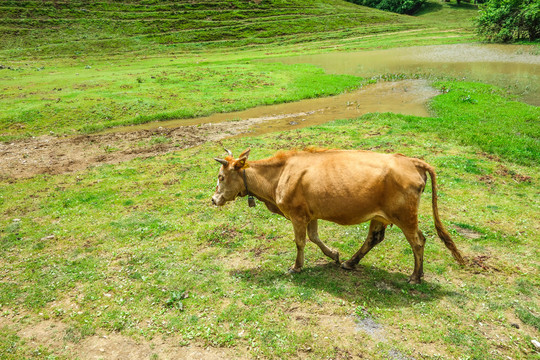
x: 514, y: 67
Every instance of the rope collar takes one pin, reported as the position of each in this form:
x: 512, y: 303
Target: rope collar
x: 251, y: 199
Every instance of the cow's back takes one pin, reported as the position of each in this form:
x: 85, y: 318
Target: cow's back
x: 348, y: 187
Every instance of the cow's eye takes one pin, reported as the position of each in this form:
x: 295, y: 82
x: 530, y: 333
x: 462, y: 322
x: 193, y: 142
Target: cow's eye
x: 220, y: 178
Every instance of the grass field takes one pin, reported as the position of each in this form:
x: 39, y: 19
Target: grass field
x: 68, y: 100
x: 158, y: 260
x: 132, y: 257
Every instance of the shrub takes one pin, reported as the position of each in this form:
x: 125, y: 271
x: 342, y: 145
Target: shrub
x: 509, y: 20
x: 397, y: 6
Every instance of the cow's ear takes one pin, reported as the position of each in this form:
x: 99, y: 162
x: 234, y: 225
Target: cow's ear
x: 244, y: 154
x: 241, y: 164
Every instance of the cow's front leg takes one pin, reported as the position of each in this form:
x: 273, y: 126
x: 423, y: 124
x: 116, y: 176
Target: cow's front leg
x: 313, y: 234
x: 300, y: 240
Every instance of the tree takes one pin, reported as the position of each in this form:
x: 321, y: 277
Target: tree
x: 509, y: 20
x: 397, y: 6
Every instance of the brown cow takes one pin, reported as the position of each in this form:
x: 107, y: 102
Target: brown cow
x: 344, y: 186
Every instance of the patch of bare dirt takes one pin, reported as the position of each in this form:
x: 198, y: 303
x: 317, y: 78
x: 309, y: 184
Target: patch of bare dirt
x: 488, y: 179
x: 51, y: 335
x: 482, y: 262
x: 370, y: 326
x: 519, y: 178
x: 468, y: 233
x: 53, y: 155
x: 115, y: 346
x: 341, y: 326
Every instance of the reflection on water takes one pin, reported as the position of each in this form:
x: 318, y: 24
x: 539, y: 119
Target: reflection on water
x: 513, y: 67
x: 401, y: 97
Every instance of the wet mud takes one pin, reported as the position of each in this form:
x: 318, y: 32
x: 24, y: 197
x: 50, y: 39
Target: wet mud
x: 53, y: 155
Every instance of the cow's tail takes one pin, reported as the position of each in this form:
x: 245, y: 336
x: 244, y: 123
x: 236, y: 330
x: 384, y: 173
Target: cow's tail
x: 441, y: 231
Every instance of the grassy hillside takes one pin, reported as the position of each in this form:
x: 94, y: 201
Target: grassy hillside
x: 78, y: 27
x: 82, y: 66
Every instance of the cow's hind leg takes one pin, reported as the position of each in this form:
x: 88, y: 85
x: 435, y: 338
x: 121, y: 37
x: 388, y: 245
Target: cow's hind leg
x: 313, y: 234
x: 375, y: 236
x: 300, y: 239
x: 417, y: 241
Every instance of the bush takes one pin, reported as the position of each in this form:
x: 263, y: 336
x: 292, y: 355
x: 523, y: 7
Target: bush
x: 509, y: 20
x: 397, y: 6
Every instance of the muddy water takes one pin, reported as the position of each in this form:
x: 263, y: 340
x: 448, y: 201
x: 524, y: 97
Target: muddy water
x: 514, y: 67
x: 402, y: 97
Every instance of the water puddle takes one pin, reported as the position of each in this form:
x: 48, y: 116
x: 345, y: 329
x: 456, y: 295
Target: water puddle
x: 407, y: 97
x: 514, y: 67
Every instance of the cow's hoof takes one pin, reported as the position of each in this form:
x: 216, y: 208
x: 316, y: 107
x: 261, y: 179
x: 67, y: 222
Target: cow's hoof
x: 413, y: 280
x: 345, y: 265
x: 336, y: 258
x: 294, y: 271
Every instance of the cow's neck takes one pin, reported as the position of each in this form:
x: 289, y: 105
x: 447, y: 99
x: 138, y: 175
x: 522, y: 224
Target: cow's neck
x: 262, y: 180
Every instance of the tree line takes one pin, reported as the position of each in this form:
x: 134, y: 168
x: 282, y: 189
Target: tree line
x: 509, y: 20
x: 498, y: 20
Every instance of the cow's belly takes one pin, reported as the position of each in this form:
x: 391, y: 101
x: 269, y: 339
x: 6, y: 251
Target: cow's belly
x: 346, y: 211
x: 351, y: 218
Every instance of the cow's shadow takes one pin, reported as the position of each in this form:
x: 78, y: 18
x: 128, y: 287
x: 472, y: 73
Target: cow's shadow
x: 366, y: 283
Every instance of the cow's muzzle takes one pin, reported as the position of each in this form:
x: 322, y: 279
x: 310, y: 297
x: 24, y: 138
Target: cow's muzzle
x: 217, y: 201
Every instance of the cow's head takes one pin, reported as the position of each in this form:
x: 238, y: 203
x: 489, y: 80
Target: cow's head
x: 230, y: 178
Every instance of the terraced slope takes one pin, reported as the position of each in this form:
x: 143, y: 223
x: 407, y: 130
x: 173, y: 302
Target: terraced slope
x: 54, y: 27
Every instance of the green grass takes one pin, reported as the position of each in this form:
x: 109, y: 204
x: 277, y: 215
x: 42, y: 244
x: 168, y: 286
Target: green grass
x: 137, y: 249
x: 81, y: 28
x: 494, y: 123
x: 88, y: 98
x: 34, y: 29
x: 449, y: 14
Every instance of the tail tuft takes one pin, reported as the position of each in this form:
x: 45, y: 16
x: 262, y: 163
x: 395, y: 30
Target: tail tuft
x: 441, y: 231
x: 450, y: 245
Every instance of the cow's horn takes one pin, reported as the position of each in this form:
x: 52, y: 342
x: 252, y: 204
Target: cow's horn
x: 229, y: 152
x: 221, y: 161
